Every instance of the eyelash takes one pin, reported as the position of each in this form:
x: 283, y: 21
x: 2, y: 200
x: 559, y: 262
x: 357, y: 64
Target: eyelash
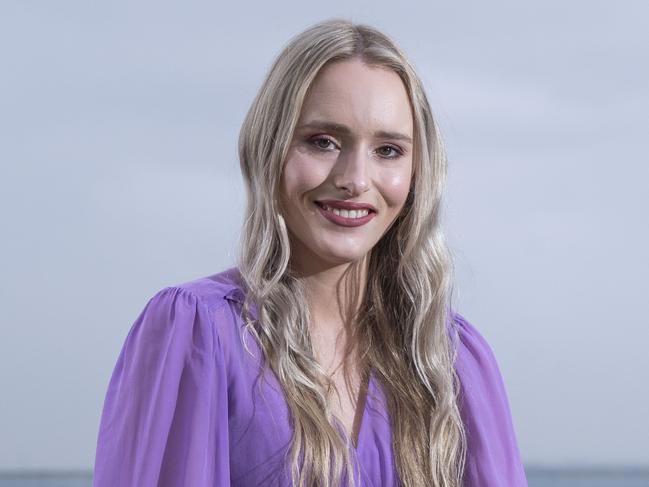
x: 314, y: 140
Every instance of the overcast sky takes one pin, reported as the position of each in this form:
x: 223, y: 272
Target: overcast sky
x: 119, y: 176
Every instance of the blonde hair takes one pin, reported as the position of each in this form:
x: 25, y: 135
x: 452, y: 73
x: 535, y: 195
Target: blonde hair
x: 401, y: 327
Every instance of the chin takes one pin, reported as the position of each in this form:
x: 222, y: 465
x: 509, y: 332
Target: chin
x: 346, y: 258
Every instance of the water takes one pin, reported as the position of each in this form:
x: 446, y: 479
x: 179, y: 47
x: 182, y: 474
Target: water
x: 587, y: 478
x: 75, y: 479
x: 535, y: 478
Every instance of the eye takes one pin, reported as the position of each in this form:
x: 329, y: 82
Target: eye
x: 321, y: 142
x: 396, y: 152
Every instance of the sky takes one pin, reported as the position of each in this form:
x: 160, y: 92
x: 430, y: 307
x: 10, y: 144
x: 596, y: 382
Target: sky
x: 119, y: 176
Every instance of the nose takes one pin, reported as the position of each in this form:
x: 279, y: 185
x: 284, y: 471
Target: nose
x: 352, y: 172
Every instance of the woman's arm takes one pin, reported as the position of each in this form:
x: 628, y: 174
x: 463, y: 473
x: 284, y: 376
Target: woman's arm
x: 165, y: 416
x: 493, y: 458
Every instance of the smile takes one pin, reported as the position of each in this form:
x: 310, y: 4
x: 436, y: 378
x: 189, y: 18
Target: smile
x: 346, y: 218
x: 347, y: 213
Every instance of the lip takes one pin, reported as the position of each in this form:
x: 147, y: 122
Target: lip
x: 345, y: 222
x: 346, y: 205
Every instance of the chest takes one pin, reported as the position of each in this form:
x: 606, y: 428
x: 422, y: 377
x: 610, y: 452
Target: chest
x: 260, y: 429
x: 347, y: 403
x: 346, y: 398
x: 260, y: 432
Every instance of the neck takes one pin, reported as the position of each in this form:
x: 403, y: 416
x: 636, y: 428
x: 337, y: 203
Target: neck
x: 335, y: 293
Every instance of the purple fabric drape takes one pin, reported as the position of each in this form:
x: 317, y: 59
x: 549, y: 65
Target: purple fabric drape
x: 182, y: 407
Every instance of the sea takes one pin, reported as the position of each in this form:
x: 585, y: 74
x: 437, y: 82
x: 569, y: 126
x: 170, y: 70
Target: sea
x: 535, y: 478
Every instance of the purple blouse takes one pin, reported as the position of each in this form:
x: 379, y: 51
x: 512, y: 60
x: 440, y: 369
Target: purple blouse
x: 183, y: 409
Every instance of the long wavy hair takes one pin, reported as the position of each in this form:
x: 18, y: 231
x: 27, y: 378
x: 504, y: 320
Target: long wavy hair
x: 401, y: 329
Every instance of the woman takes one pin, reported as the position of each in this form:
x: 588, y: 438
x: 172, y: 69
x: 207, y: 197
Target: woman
x: 330, y: 355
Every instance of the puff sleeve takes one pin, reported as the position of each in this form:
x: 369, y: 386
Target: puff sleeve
x: 493, y: 458
x: 165, y: 416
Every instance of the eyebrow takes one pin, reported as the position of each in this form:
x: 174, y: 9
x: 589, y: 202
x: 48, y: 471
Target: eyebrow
x: 345, y: 130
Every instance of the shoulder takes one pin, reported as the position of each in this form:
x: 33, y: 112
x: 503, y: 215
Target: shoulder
x: 475, y: 362
x: 198, y: 307
x: 210, y: 293
x: 214, y: 290
x: 473, y: 350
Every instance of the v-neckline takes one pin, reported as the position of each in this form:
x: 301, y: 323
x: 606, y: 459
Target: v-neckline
x: 361, y: 406
x: 236, y: 293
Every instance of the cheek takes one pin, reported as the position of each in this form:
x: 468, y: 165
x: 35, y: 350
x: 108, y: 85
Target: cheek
x: 396, y: 186
x: 301, y: 174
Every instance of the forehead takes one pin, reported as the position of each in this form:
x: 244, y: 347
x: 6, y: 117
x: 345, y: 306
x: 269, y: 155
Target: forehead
x: 352, y: 93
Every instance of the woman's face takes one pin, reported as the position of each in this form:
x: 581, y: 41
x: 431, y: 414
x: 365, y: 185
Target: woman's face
x: 352, y: 146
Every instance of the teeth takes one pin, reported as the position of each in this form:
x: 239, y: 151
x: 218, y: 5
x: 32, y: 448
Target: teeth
x: 347, y: 213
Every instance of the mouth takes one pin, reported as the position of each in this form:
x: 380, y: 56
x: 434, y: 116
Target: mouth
x: 344, y: 217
